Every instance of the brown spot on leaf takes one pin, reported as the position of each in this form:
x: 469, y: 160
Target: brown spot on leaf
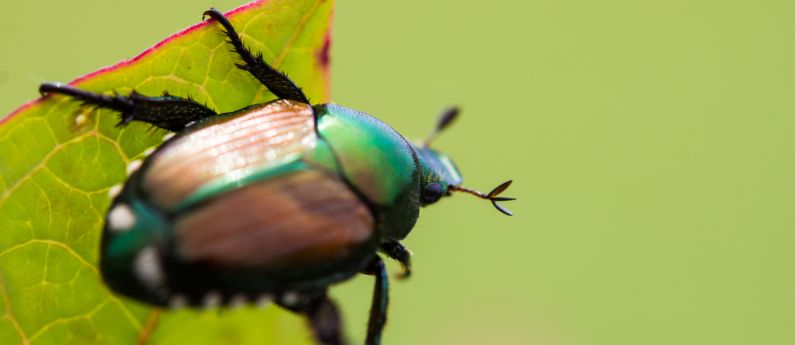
x: 323, y: 55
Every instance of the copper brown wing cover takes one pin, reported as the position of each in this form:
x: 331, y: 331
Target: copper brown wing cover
x: 231, y: 147
x: 287, y: 221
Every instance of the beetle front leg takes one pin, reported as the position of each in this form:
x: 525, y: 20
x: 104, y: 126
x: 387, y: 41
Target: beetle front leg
x: 396, y: 250
x: 167, y: 112
x: 375, y: 326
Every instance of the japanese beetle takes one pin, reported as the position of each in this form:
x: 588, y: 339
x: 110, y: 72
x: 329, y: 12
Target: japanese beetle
x: 274, y: 201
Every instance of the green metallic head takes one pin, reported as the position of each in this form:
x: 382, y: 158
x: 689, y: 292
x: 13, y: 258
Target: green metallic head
x: 439, y: 176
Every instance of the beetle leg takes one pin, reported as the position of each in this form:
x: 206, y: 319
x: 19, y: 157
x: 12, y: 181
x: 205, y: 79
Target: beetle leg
x: 375, y: 326
x: 278, y: 83
x: 167, y: 112
x: 396, y: 250
x: 321, y: 313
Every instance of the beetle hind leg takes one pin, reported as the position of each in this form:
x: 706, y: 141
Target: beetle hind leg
x: 375, y: 326
x: 321, y: 312
x: 167, y: 112
x: 277, y: 82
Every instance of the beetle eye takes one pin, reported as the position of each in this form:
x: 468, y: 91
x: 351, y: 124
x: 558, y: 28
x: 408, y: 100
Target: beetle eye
x: 432, y: 194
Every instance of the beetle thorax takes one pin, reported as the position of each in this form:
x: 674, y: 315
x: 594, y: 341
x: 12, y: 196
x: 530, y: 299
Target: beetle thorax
x: 378, y: 162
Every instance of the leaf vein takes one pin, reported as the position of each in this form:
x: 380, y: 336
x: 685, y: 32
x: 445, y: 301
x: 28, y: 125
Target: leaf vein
x: 61, y: 320
x: 39, y: 165
x: 296, y: 33
x: 9, y: 315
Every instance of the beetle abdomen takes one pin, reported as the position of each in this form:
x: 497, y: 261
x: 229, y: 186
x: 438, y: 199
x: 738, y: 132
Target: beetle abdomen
x: 229, y: 149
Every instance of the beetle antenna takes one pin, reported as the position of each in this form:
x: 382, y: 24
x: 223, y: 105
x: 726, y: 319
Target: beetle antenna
x: 491, y: 196
x: 445, y: 119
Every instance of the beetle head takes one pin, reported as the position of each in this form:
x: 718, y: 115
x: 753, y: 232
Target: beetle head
x: 439, y: 175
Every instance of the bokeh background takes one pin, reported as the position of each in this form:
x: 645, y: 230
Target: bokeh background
x: 652, y: 146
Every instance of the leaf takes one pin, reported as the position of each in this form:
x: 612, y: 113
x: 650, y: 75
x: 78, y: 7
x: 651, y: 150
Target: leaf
x: 58, y: 161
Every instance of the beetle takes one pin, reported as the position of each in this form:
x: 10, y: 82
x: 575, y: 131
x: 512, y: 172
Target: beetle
x: 272, y: 202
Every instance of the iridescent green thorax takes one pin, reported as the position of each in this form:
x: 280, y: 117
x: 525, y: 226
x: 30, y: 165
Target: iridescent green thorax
x: 378, y: 162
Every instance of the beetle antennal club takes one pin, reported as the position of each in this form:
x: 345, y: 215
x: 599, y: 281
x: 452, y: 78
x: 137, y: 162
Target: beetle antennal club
x: 447, y: 117
x: 492, y: 196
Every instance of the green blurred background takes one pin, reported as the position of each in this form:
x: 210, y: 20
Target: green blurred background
x: 652, y: 146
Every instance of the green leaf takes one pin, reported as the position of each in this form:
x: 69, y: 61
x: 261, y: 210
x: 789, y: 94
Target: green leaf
x: 58, y: 160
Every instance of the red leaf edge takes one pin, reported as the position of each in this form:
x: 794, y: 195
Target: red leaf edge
x: 133, y: 60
